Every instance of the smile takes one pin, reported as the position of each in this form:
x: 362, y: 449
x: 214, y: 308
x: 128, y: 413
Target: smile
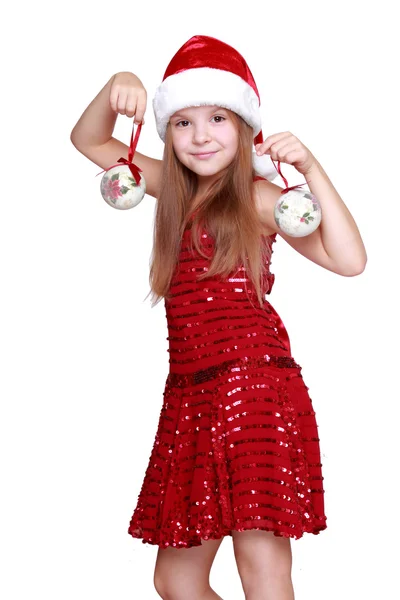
x: 204, y: 155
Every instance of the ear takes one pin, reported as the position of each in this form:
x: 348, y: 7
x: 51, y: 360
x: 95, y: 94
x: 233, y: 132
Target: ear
x: 264, y: 166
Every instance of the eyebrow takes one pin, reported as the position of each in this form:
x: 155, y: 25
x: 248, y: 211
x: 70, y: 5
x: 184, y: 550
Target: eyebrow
x: 212, y: 109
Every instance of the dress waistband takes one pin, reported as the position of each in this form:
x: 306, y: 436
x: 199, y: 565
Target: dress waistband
x: 187, y: 379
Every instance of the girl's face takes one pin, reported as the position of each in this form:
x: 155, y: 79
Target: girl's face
x: 205, y: 139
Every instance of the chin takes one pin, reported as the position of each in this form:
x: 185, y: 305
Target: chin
x: 207, y: 169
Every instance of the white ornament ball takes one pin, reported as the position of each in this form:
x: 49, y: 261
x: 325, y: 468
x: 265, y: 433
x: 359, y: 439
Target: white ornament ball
x: 297, y: 213
x: 119, y: 188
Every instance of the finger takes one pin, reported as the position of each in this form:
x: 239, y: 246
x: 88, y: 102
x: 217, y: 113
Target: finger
x: 285, y: 146
x: 121, y: 104
x: 284, y: 150
x: 262, y: 148
x: 131, y: 106
x: 278, y: 146
x: 276, y: 137
x: 140, y: 108
x: 114, y: 98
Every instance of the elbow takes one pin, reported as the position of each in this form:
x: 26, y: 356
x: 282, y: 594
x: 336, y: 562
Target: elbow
x: 354, y: 271
x: 72, y: 138
x: 361, y: 267
x: 356, y: 266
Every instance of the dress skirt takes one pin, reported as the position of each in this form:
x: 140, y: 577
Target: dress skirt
x: 236, y: 448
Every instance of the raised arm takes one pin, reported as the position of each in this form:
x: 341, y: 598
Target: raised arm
x: 92, y: 135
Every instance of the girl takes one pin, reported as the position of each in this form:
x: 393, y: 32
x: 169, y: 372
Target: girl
x: 237, y: 450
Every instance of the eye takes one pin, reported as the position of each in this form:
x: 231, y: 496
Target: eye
x: 179, y: 122
x: 219, y: 117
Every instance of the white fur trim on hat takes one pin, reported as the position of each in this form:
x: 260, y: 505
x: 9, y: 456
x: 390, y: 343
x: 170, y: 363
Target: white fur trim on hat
x: 205, y: 86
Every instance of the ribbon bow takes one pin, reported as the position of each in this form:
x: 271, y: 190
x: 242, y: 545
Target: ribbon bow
x: 134, y: 169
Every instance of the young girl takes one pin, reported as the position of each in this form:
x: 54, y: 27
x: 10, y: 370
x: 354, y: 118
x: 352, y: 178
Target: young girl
x: 237, y: 449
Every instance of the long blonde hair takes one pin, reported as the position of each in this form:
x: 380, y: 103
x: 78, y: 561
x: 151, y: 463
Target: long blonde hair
x: 228, y: 211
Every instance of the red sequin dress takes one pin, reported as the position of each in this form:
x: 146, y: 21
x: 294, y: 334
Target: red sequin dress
x: 237, y: 443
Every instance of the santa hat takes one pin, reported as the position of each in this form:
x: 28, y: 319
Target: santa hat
x: 206, y: 71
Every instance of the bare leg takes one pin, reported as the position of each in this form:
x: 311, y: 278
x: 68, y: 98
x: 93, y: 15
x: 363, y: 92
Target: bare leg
x: 264, y: 564
x: 185, y: 572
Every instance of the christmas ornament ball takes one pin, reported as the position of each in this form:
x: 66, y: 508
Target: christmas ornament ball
x: 297, y: 213
x: 119, y: 188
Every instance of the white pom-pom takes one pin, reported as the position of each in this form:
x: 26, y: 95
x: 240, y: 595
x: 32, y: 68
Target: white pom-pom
x: 264, y: 166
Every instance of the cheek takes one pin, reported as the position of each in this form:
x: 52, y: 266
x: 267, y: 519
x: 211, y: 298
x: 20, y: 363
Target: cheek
x: 176, y: 148
x: 232, y: 142
x: 230, y: 136
x: 179, y: 144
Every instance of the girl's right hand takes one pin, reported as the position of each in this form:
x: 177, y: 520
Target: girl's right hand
x: 128, y: 96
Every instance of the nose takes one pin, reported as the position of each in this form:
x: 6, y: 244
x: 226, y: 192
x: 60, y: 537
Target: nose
x: 201, y: 134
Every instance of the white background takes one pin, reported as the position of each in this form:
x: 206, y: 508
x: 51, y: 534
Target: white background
x: 84, y: 358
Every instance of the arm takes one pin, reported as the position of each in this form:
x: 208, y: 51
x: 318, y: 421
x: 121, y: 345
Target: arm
x: 310, y: 246
x: 96, y: 125
x: 92, y: 136
x: 336, y: 244
x: 340, y: 236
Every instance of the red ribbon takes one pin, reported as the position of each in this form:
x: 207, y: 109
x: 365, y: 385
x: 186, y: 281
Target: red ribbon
x: 132, y: 147
x: 287, y: 189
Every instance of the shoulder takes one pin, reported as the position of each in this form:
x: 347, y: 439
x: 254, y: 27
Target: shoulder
x: 266, y: 195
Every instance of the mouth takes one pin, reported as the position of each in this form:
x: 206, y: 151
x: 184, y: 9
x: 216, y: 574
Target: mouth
x: 204, y: 154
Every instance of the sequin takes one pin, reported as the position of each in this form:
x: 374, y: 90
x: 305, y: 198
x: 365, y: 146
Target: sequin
x: 237, y: 443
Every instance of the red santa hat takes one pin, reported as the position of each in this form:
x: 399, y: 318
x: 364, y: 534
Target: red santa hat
x: 206, y: 71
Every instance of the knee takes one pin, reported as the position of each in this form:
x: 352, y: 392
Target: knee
x: 251, y: 570
x: 258, y: 578
x: 161, y: 587
x: 172, y: 588
x: 261, y: 556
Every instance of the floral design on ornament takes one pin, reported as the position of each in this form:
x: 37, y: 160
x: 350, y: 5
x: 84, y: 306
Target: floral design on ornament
x: 293, y: 211
x: 111, y: 188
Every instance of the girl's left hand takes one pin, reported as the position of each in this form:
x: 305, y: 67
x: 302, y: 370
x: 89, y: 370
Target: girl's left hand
x: 287, y: 148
